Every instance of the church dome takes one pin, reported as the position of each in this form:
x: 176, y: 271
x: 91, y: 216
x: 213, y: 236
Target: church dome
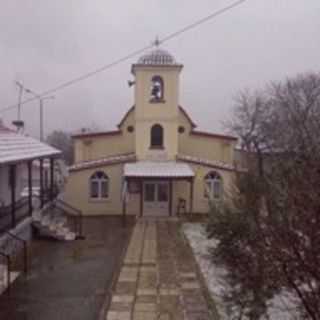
x: 157, y: 57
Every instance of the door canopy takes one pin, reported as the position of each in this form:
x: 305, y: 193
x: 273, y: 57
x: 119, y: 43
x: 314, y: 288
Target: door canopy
x: 155, y: 169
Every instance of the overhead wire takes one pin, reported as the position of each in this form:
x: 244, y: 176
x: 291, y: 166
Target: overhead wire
x: 131, y: 54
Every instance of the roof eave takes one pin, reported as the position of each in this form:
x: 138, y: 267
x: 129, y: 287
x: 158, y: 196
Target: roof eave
x: 108, y: 162
x: 193, y: 125
x: 214, y: 135
x: 95, y: 134
x: 26, y: 159
x: 157, y: 66
x: 125, y: 117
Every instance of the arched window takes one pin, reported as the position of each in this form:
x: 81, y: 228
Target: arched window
x: 156, y: 139
x: 157, y: 89
x: 213, y: 186
x: 99, y: 185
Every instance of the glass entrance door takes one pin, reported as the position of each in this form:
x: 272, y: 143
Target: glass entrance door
x: 156, y: 198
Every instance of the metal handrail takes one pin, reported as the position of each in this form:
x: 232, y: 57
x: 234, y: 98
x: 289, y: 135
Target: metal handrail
x: 69, y: 206
x: 6, y: 215
x: 19, y: 204
x: 8, y: 269
x: 66, y: 206
x: 25, y: 251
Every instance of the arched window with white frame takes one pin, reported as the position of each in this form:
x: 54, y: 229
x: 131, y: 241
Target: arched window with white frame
x: 213, y: 186
x: 99, y: 185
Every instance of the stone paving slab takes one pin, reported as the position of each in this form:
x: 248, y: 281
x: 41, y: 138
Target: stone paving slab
x: 144, y: 315
x: 146, y: 299
x: 190, y: 285
x: 158, y: 279
x: 122, y: 298
x: 119, y: 315
x: 147, y: 292
x: 120, y: 306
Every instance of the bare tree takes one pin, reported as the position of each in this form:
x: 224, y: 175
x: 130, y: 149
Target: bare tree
x: 280, y: 132
x: 62, y: 141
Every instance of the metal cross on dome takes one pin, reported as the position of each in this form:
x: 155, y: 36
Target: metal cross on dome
x: 156, y: 42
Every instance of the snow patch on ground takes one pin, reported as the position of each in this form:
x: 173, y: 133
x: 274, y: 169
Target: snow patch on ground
x: 281, y: 307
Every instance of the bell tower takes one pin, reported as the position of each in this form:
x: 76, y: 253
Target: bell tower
x: 156, y: 105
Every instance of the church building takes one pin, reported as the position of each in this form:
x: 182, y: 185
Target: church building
x: 156, y: 163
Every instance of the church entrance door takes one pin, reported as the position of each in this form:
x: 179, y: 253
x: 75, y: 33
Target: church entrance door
x: 156, y: 198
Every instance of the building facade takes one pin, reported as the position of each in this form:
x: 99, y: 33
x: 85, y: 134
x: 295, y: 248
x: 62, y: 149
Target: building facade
x: 156, y: 163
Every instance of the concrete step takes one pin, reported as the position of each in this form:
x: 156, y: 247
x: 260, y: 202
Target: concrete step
x: 62, y: 231
x: 70, y: 236
x: 60, y: 220
x: 54, y: 226
x: 46, y: 220
x: 67, y: 236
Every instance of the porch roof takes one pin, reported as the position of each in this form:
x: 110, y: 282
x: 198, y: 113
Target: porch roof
x: 16, y: 147
x: 157, y: 169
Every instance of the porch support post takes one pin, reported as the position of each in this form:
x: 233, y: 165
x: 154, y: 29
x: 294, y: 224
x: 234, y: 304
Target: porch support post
x: 170, y: 197
x: 124, y: 205
x: 191, y: 195
x: 30, y: 187
x: 51, y: 178
x: 12, y: 173
x: 41, y: 184
x: 141, y: 197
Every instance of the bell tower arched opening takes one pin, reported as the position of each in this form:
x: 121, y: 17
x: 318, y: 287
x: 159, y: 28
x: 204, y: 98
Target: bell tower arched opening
x: 157, y: 89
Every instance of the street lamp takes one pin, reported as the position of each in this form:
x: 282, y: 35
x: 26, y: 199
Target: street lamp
x: 41, y: 99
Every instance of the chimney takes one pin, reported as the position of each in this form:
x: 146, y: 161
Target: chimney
x: 19, y: 124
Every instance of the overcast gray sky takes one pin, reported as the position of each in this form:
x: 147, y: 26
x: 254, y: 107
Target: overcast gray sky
x: 44, y: 43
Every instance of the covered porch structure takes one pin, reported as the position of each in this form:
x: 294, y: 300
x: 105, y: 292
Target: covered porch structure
x: 17, y: 154
x: 154, y: 182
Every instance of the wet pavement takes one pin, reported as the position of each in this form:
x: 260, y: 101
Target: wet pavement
x: 159, y: 279
x: 68, y: 280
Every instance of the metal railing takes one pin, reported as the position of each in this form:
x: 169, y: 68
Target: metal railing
x: 21, y: 212
x: 22, y: 209
x: 8, y: 263
x: 9, y: 260
x: 25, y: 250
x: 73, y: 213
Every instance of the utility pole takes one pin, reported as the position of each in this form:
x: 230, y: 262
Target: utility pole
x: 41, y: 99
x: 21, y: 88
x: 41, y: 120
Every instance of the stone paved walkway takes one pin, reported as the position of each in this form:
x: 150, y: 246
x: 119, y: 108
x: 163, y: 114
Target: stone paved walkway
x: 158, y: 279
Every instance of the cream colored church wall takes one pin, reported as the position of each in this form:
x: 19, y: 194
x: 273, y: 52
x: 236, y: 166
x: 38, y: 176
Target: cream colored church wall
x: 164, y: 113
x: 96, y: 147
x: 77, y: 192
x: 181, y: 189
x: 200, y: 146
x: 162, y: 110
x: 206, y: 147
x: 143, y: 150
x: 103, y: 146
x: 184, y: 122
